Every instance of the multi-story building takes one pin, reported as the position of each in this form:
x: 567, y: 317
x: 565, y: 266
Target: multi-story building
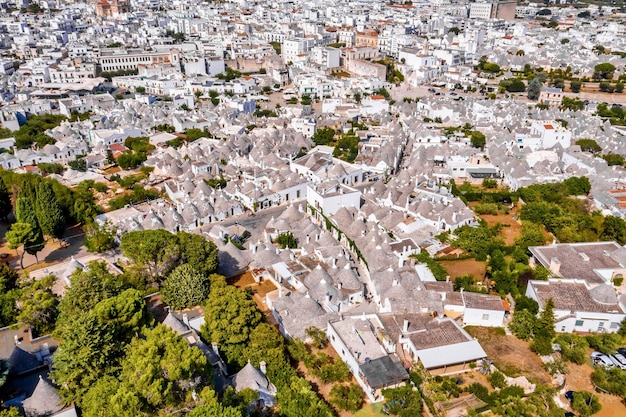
x: 130, y: 59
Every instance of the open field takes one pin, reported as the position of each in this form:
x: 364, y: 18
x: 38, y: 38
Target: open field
x: 465, y: 266
x: 510, y: 355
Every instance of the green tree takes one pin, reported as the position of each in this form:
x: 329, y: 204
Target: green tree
x: 210, y: 406
x: 585, y: 403
x: 614, y: 228
x: 299, y: 400
x: 576, y: 86
x: 544, y: 332
x: 612, y: 380
x: 10, y: 412
x: 266, y: 344
x: 532, y: 235
x: 38, y: 305
x: 199, y: 252
x: 614, y: 159
x: 604, y: 71
x: 497, y: 380
x: 523, y: 324
x: 573, y: 347
x: 229, y: 318
x: 93, y: 344
x: 87, y: 288
x: 324, y: 136
x: 185, y: 287
x: 513, y: 85
x: 48, y: 211
x: 154, y: 253
x: 572, y: 104
x: 20, y: 234
x: 286, y: 240
x: 589, y: 145
x: 534, y: 88
x: 347, y: 397
x: 577, y: 185
x: 5, y: 202
x: 161, y: 368
x: 99, y: 238
x: 478, y: 140
x: 8, y: 295
x: 24, y: 213
x: 403, y: 401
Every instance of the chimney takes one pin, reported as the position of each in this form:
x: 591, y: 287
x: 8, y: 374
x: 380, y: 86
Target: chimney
x: 263, y: 367
x: 308, y: 239
x: 395, y: 282
x: 405, y: 326
x: 186, y: 320
x: 555, y: 265
x: 292, y: 256
x: 334, y: 263
x: 400, y: 262
x: 215, y: 348
x: 253, y: 247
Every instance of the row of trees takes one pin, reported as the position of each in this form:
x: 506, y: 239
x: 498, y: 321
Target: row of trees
x: 42, y: 208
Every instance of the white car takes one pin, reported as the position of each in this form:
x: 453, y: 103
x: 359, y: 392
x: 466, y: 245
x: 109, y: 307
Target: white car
x: 619, y: 360
x: 600, y: 359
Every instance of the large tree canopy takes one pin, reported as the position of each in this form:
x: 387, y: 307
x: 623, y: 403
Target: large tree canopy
x: 185, y: 287
x: 229, y: 317
x: 156, y: 253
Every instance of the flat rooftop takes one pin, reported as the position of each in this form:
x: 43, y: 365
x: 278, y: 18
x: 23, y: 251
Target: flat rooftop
x: 359, y: 337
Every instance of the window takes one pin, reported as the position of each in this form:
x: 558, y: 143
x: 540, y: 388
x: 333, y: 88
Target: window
x: 485, y: 316
x: 579, y: 323
x: 615, y: 325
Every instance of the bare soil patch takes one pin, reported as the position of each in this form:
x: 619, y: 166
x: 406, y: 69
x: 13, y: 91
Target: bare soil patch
x: 465, y: 266
x: 579, y: 378
x: 259, y: 290
x: 510, y: 355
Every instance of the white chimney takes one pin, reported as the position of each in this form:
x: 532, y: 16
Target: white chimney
x: 555, y: 265
x: 308, y: 239
x: 405, y: 326
x: 186, y: 319
x: 263, y: 367
x: 400, y: 262
x: 334, y: 263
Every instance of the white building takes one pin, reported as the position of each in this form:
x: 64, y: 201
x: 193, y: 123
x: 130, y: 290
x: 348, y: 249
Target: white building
x: 577, y: 306
x: 330, y: 196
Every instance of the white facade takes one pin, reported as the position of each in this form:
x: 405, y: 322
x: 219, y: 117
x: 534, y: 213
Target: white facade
x: 578, y: 307
x: 331, y: 198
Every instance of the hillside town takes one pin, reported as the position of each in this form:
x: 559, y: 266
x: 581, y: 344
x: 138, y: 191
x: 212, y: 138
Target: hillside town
x: 294, y: 209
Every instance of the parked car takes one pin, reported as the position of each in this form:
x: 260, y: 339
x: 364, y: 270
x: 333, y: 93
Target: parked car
x: 600, y: 359
x: 569, y: 395
x: 622, y: 351
x: 619, y: 360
